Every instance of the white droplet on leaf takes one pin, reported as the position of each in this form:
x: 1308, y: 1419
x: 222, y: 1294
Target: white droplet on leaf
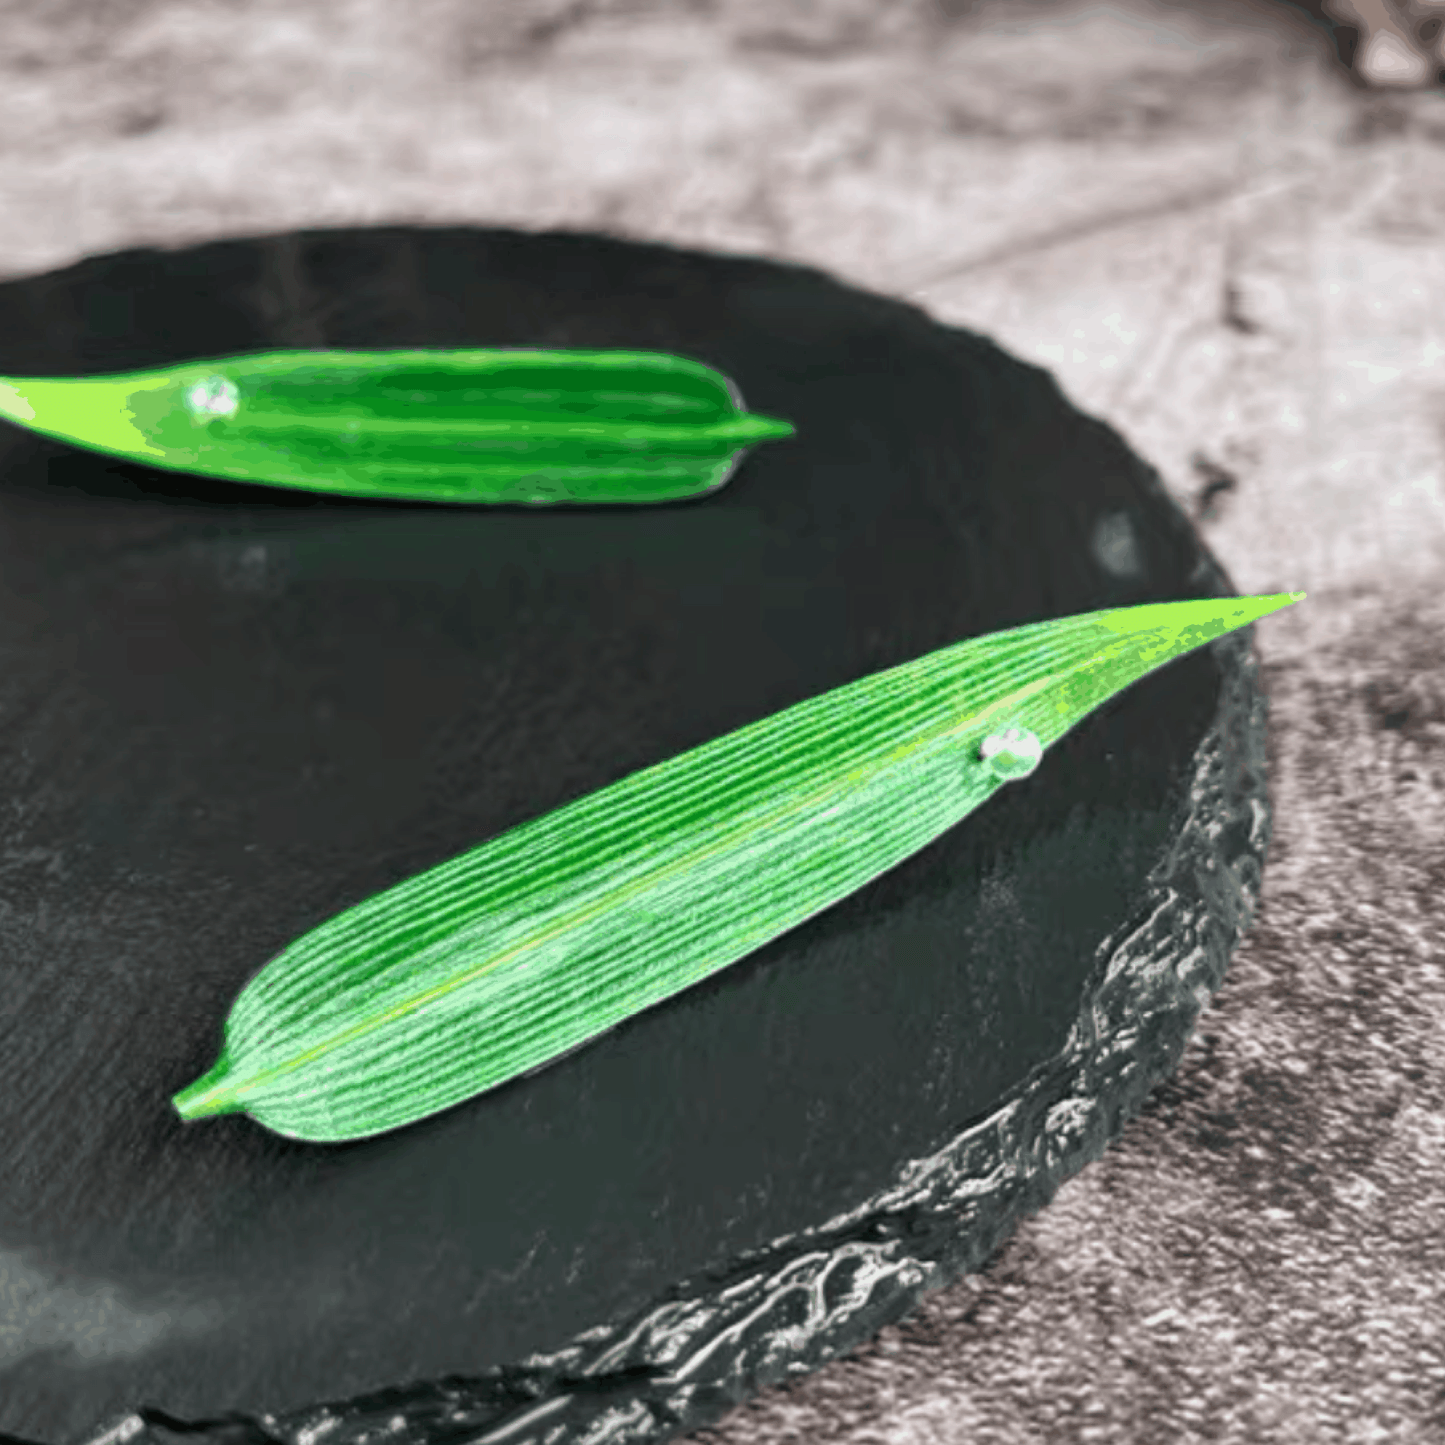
x: 1013, y: 753
x: 213, y: 397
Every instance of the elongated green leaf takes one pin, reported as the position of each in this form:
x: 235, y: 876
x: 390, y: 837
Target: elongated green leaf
x: 501, y: 960
x: 525, y: 426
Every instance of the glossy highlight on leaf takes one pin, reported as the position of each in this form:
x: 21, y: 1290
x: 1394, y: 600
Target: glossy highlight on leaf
x: 537, y: 428
x: 499, y: 961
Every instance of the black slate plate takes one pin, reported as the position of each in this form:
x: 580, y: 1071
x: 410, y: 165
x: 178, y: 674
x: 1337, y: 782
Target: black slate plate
x: 227, y: 712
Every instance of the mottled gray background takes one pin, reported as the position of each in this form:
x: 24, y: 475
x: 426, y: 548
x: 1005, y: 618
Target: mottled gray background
x: 1221, y: 242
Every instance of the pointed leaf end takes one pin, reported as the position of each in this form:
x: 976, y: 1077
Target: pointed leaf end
x: 209, y: 1094
x: 13, y: 405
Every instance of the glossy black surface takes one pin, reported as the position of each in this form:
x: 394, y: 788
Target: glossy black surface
x: 228, y: 712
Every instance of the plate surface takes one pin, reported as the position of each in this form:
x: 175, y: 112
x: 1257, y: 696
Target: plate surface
x: 228, y: 712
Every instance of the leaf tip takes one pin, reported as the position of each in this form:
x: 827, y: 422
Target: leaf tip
x: 13, y: 404
x: 207, y: 1095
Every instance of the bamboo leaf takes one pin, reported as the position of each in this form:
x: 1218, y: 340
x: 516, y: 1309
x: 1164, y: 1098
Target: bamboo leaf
x: 501, y: 425
x: 499, y: 961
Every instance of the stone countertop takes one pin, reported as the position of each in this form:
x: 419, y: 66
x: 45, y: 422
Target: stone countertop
x: 1221, y: 245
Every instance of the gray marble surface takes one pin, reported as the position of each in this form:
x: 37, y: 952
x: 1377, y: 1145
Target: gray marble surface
x: 1222, y: 244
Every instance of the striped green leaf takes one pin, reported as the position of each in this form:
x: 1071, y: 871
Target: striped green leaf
x: 531, y: 427
x: 498, y: 961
